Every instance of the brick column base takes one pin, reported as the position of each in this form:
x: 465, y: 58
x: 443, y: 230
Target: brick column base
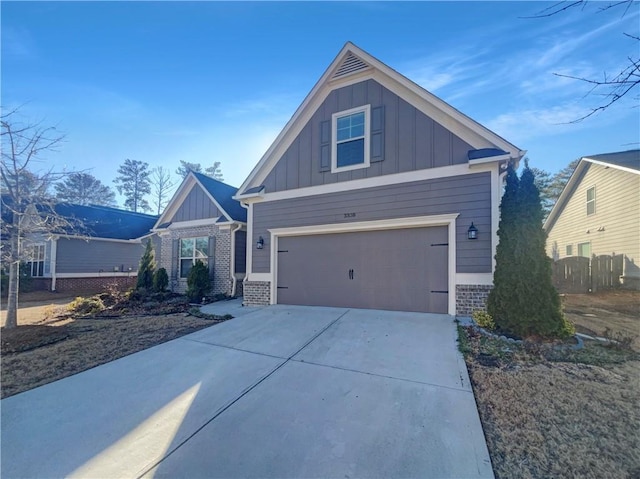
x: 256, y: 293
x: 471, y: 297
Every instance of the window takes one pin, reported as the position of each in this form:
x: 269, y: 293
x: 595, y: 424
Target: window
x: 350, y: 147
x: 569, y: 251
x: 591, y: 200
x: 192, y: 250
x: 584, y: 249
x: 36, y: 260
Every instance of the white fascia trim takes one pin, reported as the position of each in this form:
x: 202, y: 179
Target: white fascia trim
x: 383, y: 180
x: 97, y: 238
x: 176, y: 200
x: 611, y: 165
x: 248, y: 196
x: 474, y: 278
x: 224, y: 226
x: 193, y: 223
x: 448, y: 220
x: 472, y: 132
x: 105, y: 274
x: 215, y: 202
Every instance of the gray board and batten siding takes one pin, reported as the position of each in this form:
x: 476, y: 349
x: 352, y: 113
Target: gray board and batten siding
x: 95, y: 256
x: 196, y: 206
x: 241, y: 252
x: 468, y: 195
x: 410, y: 141
x: 400, y: 269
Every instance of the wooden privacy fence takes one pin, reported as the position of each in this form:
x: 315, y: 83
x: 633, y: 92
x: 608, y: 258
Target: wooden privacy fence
x: 577, y: 274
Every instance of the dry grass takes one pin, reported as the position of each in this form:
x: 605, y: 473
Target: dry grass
x: 49, y: 353
x: 560, y: 419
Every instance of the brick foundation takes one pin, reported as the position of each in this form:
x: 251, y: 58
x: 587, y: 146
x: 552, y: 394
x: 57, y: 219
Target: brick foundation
x: 85, y: 285
x: 471, y: 297
x: 257, y: 293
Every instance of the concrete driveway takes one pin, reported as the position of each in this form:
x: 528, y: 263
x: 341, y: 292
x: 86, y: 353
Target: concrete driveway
x: 284, y: 391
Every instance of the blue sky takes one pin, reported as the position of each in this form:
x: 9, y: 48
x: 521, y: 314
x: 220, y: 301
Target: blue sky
x: 217, y: 81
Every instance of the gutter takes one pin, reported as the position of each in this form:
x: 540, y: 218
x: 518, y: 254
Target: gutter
x: 233, y: 259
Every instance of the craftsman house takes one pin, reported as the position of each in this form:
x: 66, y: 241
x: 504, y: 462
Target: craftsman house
x: 202, y: 222
x: 598, y: 213
x: 376, y: 194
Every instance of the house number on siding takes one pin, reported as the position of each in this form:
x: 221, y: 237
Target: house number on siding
x: 349, y: 215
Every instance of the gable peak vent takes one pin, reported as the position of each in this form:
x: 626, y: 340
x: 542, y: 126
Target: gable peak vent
x: 351, y: 64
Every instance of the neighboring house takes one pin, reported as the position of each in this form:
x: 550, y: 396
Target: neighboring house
x: 203, y: 222
x: 369, y: 195
x: 598, y: 212
x: 105, y: 249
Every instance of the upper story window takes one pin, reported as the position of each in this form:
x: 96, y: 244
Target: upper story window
x: 36, y: 260
x: 192, y: 250
x: 591, y: 200
x: 350, y: 146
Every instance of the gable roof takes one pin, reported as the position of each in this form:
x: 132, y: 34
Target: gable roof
x: 628, y: 161
x: 93, y: 220
x: 351, y: 65
x: 106, y: 222
x: 218, y: 192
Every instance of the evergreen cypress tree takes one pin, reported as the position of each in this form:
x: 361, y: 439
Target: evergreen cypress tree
x: 146, y: 268
x: 502, y: 302
x: 540, y: 311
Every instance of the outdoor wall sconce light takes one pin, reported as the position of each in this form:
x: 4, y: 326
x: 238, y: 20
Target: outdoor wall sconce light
x: 260, y: 243
x: 472, y: 232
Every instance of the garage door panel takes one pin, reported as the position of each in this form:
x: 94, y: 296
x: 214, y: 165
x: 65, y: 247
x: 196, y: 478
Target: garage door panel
x: 404, y: 270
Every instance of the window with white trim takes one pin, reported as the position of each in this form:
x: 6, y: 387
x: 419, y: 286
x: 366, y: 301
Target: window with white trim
x: 36, y: 260
x: 584, y: 250
x: 192, y: 250
x: 350, y: 139
x: 591, y: 201
x: 569, y: 251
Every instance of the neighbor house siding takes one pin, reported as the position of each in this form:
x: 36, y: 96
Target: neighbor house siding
x: 196, y: 206
x: 468, y: 195
x: 615, y: 226
x: 94, y: 256
x: 412, y: 141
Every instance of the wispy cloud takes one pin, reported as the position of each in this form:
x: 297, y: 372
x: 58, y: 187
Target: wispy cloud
x: 17, y: 42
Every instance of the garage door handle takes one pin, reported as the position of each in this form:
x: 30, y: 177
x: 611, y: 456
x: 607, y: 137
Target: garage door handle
x: 350, y: 274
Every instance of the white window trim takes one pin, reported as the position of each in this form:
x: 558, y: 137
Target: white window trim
x: 591, y: 201
x: 41, y: 247
x: 193, y: 256
x: 568, y: 250
x: 367, y: 139
x: 579, y: 252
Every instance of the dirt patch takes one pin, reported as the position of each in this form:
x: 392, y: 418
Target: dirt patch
x: 37, y: 355
x: 616, y: 310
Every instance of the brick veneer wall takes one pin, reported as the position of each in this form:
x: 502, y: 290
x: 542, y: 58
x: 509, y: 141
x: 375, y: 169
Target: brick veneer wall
x: 222, y: 282
x: 471, y: 297
x: 84, y: 285
x: 257, y: 293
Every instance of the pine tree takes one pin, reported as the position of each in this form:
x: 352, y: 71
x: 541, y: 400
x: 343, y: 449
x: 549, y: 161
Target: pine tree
x: 146, y: 268
x: 186, y: 167
x: 84, y: 189
x: 214, y: 171
x: 133, y: 182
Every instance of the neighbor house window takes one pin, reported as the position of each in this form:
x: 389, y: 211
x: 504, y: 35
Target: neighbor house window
x: 584, y: 249
x: 36, y: 260
x: 591, y: 200
x: 350, y: 147
x: 192, y: 250
x: 569, y: 250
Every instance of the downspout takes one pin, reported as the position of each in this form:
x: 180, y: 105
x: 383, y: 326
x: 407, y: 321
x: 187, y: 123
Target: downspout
x: 233, y: 259
x: 53, y: 260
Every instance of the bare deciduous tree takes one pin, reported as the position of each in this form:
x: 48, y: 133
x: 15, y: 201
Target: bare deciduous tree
x: 27, y: 207
x: 162, y: 183
x: 612, y: 87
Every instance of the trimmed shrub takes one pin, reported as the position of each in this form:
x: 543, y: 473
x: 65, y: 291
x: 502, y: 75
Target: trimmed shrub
x: 484, y: 320
x: 86, y: 306
x: 160, y: 280
x: 198, y: 282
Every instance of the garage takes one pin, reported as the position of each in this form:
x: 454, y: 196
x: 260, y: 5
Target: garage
x: 392, y: 269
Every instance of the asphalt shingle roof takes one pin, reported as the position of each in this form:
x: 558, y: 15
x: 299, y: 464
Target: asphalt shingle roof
x: 627, y: 159
x: 223, y: 194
